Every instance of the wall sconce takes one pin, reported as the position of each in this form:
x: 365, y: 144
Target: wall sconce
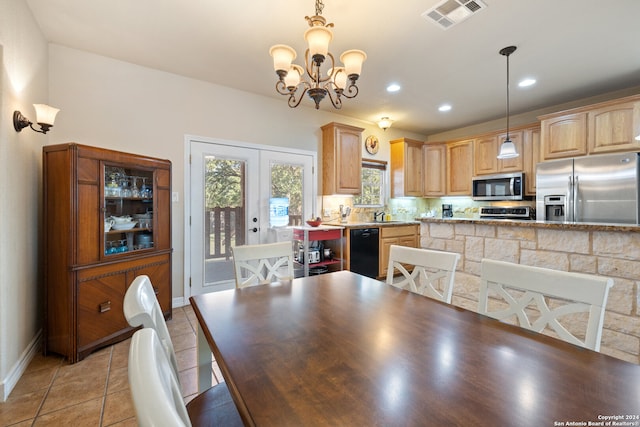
x: 45, y: 116
x: 385, y: 123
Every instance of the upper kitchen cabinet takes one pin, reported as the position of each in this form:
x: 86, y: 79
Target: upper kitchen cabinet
x: 564, y: 135
x: 613, y: 127
x: 599, y: 128
x: 486, y: 148
x: 517, y: 163
x: 531, y: 157
x: 434, y: 169
x: 341, y: 159
x: 486, y: 151
x: 459, y: 168
x: 406, y: 167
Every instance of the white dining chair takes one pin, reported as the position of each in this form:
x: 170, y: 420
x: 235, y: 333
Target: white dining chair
x: 539, y: 297
x: 423, y: 271
x: 156, y: 393
x: 141, y: 308
x: 263, y: 263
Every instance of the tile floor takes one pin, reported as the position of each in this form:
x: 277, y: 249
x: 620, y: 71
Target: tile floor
x: 95, y: 391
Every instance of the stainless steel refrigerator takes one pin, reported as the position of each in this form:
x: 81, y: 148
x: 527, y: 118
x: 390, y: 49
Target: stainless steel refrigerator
x: 601, y: 189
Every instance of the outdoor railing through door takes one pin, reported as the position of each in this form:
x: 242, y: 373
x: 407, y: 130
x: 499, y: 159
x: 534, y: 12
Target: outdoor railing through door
x: 226, y: 227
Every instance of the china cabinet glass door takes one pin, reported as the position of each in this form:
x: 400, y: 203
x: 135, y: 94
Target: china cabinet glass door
x: 128, y: 210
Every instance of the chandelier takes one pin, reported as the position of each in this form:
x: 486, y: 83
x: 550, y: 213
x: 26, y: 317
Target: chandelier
x: 321, y: 78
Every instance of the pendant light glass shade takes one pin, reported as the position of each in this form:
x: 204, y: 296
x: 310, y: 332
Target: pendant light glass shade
x: 508, y: 150
x: 638, y: 137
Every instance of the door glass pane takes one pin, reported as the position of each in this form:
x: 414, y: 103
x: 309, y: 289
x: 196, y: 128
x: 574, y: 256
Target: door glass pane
x: 224, y: 215
x: 286, y: 207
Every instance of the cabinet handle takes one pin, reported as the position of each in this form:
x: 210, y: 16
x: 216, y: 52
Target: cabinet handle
x: 156, y: 290
x: 105, y: 306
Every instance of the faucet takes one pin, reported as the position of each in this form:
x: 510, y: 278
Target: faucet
x: 378, y: 214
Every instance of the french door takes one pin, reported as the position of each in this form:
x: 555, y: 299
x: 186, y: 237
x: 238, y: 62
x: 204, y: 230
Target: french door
x: 241, y: 195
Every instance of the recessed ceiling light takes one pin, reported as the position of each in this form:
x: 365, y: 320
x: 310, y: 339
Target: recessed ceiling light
x: 444, y: 107
x: 527, y: 82
x: 393, y: 87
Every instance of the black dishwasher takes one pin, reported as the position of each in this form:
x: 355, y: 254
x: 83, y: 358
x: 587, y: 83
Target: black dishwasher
x: 363, y: 255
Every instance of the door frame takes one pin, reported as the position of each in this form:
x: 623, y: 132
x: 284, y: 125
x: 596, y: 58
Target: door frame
x: 186, y: 201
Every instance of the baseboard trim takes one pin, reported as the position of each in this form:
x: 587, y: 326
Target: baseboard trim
x: 7, y: 385
x: 178, y: 302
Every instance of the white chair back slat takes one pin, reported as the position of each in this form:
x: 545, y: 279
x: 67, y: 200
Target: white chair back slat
x: 431, y: 273
x: 572, y: 293
x: 261, y: 264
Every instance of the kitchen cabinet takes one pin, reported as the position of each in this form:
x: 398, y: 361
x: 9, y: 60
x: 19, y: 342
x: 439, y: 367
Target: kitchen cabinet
x: 605, y: 127
x: 330, y: 237
x: 564, y: 135
x: 406, y: 167
x: 435, y: 166
x: 402, y: 235
x: 486, y: 149
x: 459, y: 168
x: 341, y: 159
x: 87, y: 264
x: 613, y: 127
x: 531, y: 157
x: 517, y: 163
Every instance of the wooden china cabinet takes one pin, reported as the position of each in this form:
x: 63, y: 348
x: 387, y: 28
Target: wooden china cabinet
x: 90, y: 262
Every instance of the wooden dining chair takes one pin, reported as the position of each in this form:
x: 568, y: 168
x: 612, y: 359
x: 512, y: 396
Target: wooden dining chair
x: 261, y: 264
x: 423, y: 271
x: 539, y: 297
x: 156, y: 393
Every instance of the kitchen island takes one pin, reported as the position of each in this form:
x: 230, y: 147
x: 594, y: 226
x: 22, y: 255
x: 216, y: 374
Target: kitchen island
x: 611, y: 250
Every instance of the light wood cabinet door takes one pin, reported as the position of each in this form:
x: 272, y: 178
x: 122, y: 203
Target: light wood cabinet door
x: 531, y: 153
x: 485, y: 150
x: 459, y: 168
x: 406, y: 167
x: 614, y: 128
x: 435, y: 166
x: 564, y: 136
x: 341, y: 159
x: 397, y: 235
x: 517, y: 163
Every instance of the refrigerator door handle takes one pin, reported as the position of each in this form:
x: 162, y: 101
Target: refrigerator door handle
x: 576, y: 216
x: 568, y: 208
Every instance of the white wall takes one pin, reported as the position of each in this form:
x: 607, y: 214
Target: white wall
x: 118, y: 105
x: 24, y: 81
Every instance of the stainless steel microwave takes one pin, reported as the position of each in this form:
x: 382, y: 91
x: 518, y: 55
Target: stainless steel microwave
x: 509, y: 186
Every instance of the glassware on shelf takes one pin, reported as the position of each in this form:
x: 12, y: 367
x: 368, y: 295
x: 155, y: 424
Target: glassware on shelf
x: 145, y: 191
x: 135, y: 191
x: 112, y: 189
x: 125, y: 189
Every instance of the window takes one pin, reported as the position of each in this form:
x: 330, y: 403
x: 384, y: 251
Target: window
x: 373, y: 184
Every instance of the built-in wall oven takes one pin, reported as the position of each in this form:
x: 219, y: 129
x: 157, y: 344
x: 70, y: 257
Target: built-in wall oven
x: 498, y: 187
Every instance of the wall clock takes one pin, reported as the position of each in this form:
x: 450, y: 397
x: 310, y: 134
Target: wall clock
x: 371, y: 144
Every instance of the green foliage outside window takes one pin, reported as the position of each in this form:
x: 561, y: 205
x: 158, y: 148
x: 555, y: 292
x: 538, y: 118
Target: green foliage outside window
x: 372, y: 193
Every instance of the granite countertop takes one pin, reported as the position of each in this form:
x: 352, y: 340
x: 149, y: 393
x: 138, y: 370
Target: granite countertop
x: 372, y: 224
x: 591, y: 226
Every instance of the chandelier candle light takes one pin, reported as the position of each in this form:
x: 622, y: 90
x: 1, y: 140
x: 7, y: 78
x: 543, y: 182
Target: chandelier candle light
x: 508, y: 149
x: 336, y: 82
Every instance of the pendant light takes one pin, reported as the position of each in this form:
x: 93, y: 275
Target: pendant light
x: 507, y: 149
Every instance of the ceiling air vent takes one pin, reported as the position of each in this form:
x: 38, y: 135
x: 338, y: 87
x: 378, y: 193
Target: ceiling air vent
x: 448, y: 13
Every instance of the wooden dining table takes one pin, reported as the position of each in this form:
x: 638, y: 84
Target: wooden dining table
x: 341, y: 349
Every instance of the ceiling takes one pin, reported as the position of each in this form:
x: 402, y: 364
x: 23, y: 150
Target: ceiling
x: 574, y: 48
